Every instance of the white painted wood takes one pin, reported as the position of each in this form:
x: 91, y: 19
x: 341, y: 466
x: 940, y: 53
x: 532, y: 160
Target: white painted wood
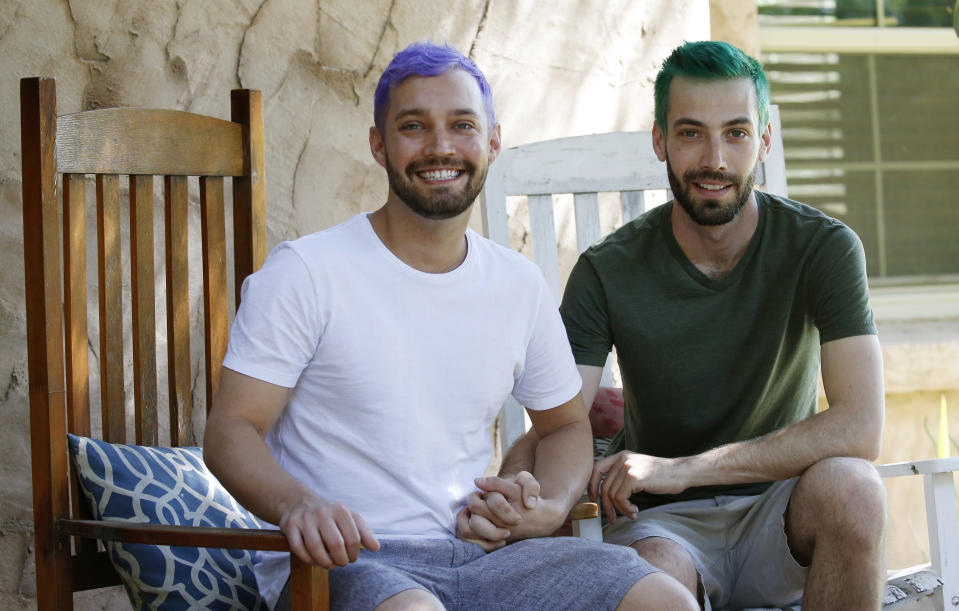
x: 586, y: 207
x: 590, y: 529
x: 633, y: 203
x: 943, y: 525
x: 617, y: 161
x: 495, y: 223
x: 543, y: 232
x: 920, y: 467
x: 774, y: 174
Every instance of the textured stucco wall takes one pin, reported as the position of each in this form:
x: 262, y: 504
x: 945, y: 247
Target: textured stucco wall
x: 557, y: 69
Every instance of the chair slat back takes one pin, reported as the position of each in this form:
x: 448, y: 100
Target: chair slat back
x: 585, y: 166
x: 139, y: 144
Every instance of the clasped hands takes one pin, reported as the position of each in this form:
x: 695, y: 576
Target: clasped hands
x: 505, y: 509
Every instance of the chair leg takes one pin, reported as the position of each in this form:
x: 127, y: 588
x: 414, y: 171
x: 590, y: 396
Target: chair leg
x: 309, y: 586
x: 941, y: 518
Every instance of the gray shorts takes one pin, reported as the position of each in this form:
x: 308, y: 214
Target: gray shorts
x: 545, y: 573
x: 737, y: 542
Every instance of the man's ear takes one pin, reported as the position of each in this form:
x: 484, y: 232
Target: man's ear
x: 494, y: 144
x: 659, y: 142
x: 765, y: 143
x: 376, y: 146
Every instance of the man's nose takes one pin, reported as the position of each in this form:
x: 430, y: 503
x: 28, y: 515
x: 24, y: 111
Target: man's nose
x: 439, y: 143
x: 714, y: 155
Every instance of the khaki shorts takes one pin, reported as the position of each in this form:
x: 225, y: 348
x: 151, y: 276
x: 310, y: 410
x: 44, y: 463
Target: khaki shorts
x: 738, y: 544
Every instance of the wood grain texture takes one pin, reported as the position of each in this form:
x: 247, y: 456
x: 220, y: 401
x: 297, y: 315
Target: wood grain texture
x: 177, y: 240
x: 112, y: 408
x: 139, y: 144
x: 249, y: 190
x: 143, y: 310
x: 41, y: 243
x: 75, y: 343
x: 215, y: 315
x: 75, y: 304
x: 148, y: 141
x: 164, y: 534
x: 309, y: 587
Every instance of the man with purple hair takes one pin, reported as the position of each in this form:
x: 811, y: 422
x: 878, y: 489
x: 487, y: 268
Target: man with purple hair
x: 365, y: 368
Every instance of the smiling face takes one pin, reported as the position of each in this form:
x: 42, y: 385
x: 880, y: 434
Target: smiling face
x: 435, y: 145
x: 712, y: 146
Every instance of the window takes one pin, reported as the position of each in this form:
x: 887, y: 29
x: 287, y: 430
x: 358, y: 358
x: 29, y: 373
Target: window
x: 867, y: 90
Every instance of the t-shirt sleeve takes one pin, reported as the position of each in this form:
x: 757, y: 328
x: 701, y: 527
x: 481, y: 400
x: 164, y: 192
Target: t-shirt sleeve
x: 549, y: 377
x: 586, y: 316
x: 277, y: 327
x: 838, y: 288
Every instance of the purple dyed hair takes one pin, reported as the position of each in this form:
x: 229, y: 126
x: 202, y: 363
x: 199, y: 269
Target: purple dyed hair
x: 426, y: 59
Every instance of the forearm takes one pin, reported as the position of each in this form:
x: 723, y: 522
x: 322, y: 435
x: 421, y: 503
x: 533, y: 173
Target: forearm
x: 236, y: 453
x: 521, y: 456
x: 788, y: 451
x: 563, y: 460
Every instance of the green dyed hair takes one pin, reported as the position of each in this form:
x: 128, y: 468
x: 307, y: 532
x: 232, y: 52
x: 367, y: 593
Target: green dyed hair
x: 710, y: 60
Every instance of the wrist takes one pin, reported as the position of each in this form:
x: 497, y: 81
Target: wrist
x: 548, y: 516
x: 690, y: 471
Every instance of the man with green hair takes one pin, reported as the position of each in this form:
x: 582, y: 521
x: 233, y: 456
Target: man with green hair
x: 724, y: 305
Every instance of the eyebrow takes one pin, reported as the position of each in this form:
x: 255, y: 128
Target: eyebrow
x: 417, y: 112
x: 697, y: 123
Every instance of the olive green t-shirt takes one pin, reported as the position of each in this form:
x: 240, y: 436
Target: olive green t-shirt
x: 705, y: 361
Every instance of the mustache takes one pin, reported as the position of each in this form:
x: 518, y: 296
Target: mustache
x: 716, y: 175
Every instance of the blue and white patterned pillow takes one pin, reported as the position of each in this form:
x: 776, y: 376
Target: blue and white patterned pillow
x: 167, y: 486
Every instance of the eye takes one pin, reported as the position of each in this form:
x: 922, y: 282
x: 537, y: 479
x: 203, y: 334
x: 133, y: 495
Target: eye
x: 411, y: 126
x: 464, y: 125
x: 688, y: 133
x: 738, y: 133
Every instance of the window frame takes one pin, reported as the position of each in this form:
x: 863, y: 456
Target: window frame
x: 892, y: 298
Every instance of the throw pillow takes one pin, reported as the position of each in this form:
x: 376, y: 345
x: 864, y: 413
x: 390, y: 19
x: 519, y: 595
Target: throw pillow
x: 167, y: 486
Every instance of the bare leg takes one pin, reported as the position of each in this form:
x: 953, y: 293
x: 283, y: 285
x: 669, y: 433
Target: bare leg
x: 411, y: 600
x: 672, y: 558
x: 834, y: 524
x: 656, y: 592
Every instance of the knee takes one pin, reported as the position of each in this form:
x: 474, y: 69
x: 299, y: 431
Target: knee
x: 411, y: 600
x: 844, y: 494
x: 658, y: 591
x: 670, y: 557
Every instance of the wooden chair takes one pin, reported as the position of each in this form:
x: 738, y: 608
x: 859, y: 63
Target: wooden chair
x: 625, y: 162
x: 140, y: 144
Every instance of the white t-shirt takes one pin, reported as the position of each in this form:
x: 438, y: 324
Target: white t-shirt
x: 397, y: 374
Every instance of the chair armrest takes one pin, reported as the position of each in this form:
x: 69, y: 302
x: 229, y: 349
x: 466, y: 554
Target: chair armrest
x: 584, y: 511
x: 309, y: 587
x: 185, y: 536
x: 919, y: 467
x: 941, y: 517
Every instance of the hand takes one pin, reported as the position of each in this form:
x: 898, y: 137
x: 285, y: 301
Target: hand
x: 499, y: 504
x: 617, y: 477
x: 326, y: 533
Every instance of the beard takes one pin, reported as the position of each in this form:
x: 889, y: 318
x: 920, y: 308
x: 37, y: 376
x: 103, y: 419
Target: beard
x: 711, y: 212
x: 437, y: 203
